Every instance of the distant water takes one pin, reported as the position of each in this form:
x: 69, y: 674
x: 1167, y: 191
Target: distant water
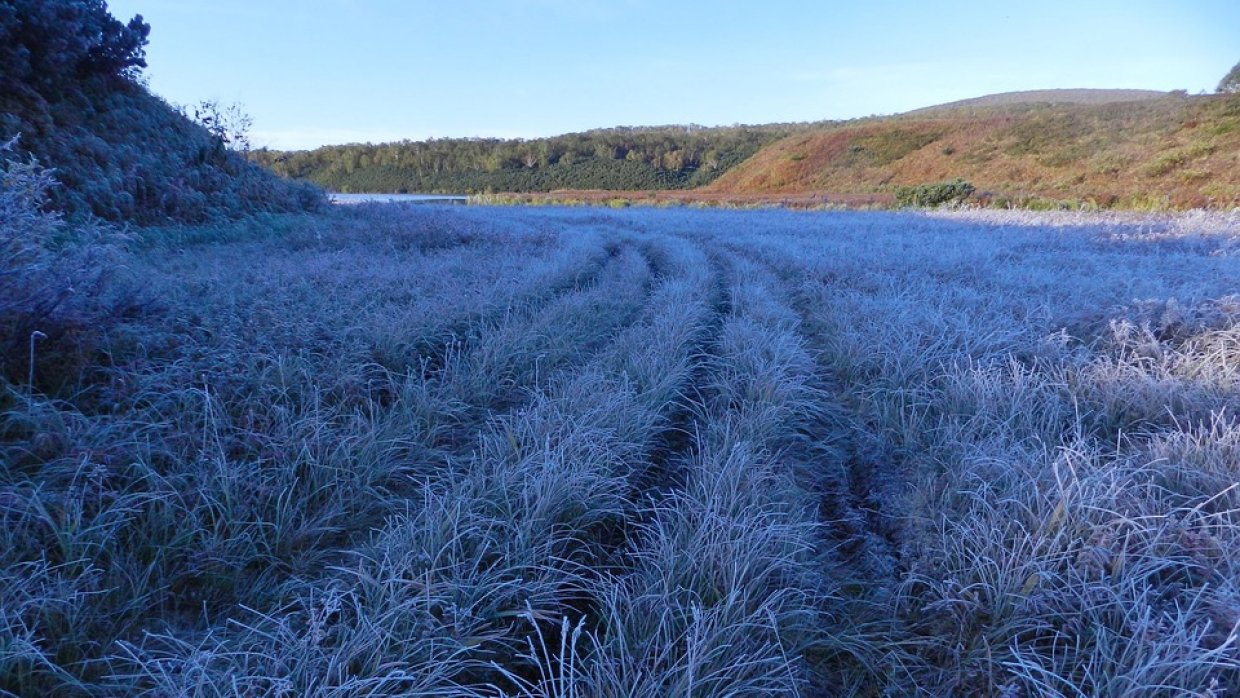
x: 397, y: 198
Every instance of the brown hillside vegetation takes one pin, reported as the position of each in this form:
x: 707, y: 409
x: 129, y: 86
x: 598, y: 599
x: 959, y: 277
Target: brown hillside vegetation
x: 1177, y: 151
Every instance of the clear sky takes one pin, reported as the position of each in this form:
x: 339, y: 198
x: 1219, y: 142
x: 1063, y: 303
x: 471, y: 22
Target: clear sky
x: 312, y: 72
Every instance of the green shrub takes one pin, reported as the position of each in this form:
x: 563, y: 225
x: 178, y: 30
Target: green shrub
x: 923, y: 195
x: 886, y: 147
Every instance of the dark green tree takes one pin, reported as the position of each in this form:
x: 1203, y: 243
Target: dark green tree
x: 46, y: 41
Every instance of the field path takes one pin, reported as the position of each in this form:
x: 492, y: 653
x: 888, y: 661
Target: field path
x: 556, y: 453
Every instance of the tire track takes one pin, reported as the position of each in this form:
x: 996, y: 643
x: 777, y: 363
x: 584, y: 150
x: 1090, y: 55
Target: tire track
x: 859, y: 487
x: 859, y: 498
x: 718, y: 572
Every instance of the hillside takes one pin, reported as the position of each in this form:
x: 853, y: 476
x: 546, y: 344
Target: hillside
x: 1061, y: 96
x: 1179, y: 151
x: 1127, y: 148
x: 71, y: 94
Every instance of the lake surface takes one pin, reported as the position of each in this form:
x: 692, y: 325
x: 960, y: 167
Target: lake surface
x: 397, y: 198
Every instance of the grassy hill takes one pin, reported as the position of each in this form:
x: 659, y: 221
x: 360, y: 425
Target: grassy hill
x: 1175, y: 150
x: 1124, y: 148
x: 122, y: 154
x: 72, y: 97
x: 1060, y: 96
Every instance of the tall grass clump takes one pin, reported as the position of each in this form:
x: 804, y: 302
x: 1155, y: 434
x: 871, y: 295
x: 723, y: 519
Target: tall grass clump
x: 53, y: 298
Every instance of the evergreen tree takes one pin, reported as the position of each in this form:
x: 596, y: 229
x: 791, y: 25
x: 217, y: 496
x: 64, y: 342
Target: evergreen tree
x: 44, y: 41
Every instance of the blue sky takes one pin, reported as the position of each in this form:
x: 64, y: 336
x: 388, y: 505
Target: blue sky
x: 312, y: 72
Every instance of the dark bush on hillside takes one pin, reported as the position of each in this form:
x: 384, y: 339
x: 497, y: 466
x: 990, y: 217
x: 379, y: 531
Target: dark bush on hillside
x: 50, y: 40
x: 954, y: 191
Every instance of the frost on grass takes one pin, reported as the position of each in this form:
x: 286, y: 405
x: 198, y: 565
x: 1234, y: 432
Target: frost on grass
x: 458, y: 451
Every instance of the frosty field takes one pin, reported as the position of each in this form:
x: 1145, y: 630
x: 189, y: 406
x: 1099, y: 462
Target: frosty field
x: 458, y: 451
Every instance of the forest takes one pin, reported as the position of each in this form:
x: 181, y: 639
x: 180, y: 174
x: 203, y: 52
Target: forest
x: 666, y: 157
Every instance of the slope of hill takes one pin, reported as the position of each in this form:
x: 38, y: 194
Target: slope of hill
x: 1128, y: 148
x: 1178, y: 151
x: 1061, y: 96
x: 70, y: 94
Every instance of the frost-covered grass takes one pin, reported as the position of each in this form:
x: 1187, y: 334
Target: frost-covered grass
x: 566, y: 453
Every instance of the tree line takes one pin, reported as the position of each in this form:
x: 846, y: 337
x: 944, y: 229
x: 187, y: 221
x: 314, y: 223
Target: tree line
x: 624, y: 158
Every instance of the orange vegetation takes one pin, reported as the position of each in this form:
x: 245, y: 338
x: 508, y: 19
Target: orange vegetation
x: 1179, y: 151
